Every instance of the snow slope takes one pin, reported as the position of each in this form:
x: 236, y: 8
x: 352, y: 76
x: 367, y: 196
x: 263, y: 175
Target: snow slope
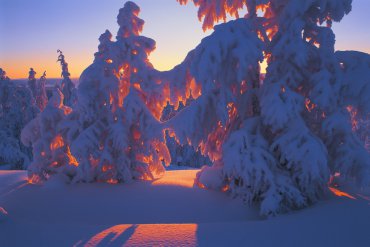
x: 166, y: 212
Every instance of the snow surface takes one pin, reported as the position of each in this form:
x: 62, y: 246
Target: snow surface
x: 166, y: 212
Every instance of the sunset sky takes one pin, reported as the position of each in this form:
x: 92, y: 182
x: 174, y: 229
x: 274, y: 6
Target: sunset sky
x: 32, y: 31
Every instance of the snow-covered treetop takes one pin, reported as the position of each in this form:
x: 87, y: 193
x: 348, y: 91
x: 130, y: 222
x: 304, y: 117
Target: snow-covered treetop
x: 128, y: 21
x: 67, y: 86
x: 64, y: 64
x: 31, y: 74
x: 43, y: 77
x: 3, y: 75
x: 318, y: 11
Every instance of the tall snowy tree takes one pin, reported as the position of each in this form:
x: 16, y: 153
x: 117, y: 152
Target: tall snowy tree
x: 302, y: 134
x: 111, y: 132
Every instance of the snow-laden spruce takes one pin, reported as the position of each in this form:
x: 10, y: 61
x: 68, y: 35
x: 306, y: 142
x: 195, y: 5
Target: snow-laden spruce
x: 274, y: 140
x: 110, y: 135
x: 48, y: 145
x: 32, y: 82
x: 302, y: 135
x: 37, y: 88
x: 17, y: 108
x: 41, y: 96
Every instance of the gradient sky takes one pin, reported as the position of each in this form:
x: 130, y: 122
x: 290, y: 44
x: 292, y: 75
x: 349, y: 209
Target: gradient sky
x: 32, y: 31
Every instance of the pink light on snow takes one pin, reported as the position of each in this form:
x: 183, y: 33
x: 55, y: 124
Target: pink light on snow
x: 146, y: 235
x: 340, y: 193
x: 171, y: 178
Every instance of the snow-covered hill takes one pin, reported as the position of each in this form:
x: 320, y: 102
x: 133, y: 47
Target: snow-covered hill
x: 166, y: 212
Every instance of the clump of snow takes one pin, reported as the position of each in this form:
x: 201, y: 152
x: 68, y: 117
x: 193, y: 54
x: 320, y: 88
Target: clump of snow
x: 210, y: 177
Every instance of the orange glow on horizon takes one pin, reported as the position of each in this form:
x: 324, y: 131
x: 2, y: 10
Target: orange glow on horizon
x: 18, y: 68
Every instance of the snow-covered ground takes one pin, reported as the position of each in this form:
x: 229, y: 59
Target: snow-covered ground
x: 166, y: 212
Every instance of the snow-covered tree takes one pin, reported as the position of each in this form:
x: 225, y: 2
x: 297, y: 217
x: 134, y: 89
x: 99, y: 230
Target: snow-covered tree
x: 41, y: 97
x: 17, y: 108
x: 111, y: 132
x: 67, y: 86
x: 32, y: 82
x: 38, y: 88
x: 51, y: 154
x: 299, y: 133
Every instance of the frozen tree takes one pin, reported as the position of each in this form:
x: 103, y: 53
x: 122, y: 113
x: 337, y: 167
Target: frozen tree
x: 38, y: 88
x: 51, y: 155
x: 120, y: 136
x: 299, y: 132
x: 32, y: 82
x: 111, y: 133
x: 17, y: 108
x: 41, y: 97
x: 67, y: 86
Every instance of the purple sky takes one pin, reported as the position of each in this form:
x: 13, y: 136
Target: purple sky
x: 32, y: 31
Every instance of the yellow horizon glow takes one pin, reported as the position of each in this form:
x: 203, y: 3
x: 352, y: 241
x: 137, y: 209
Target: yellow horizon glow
x: 16, y: 69
x: 19, y: 69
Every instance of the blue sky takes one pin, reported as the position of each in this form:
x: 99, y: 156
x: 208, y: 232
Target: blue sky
x: 32, y: 31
